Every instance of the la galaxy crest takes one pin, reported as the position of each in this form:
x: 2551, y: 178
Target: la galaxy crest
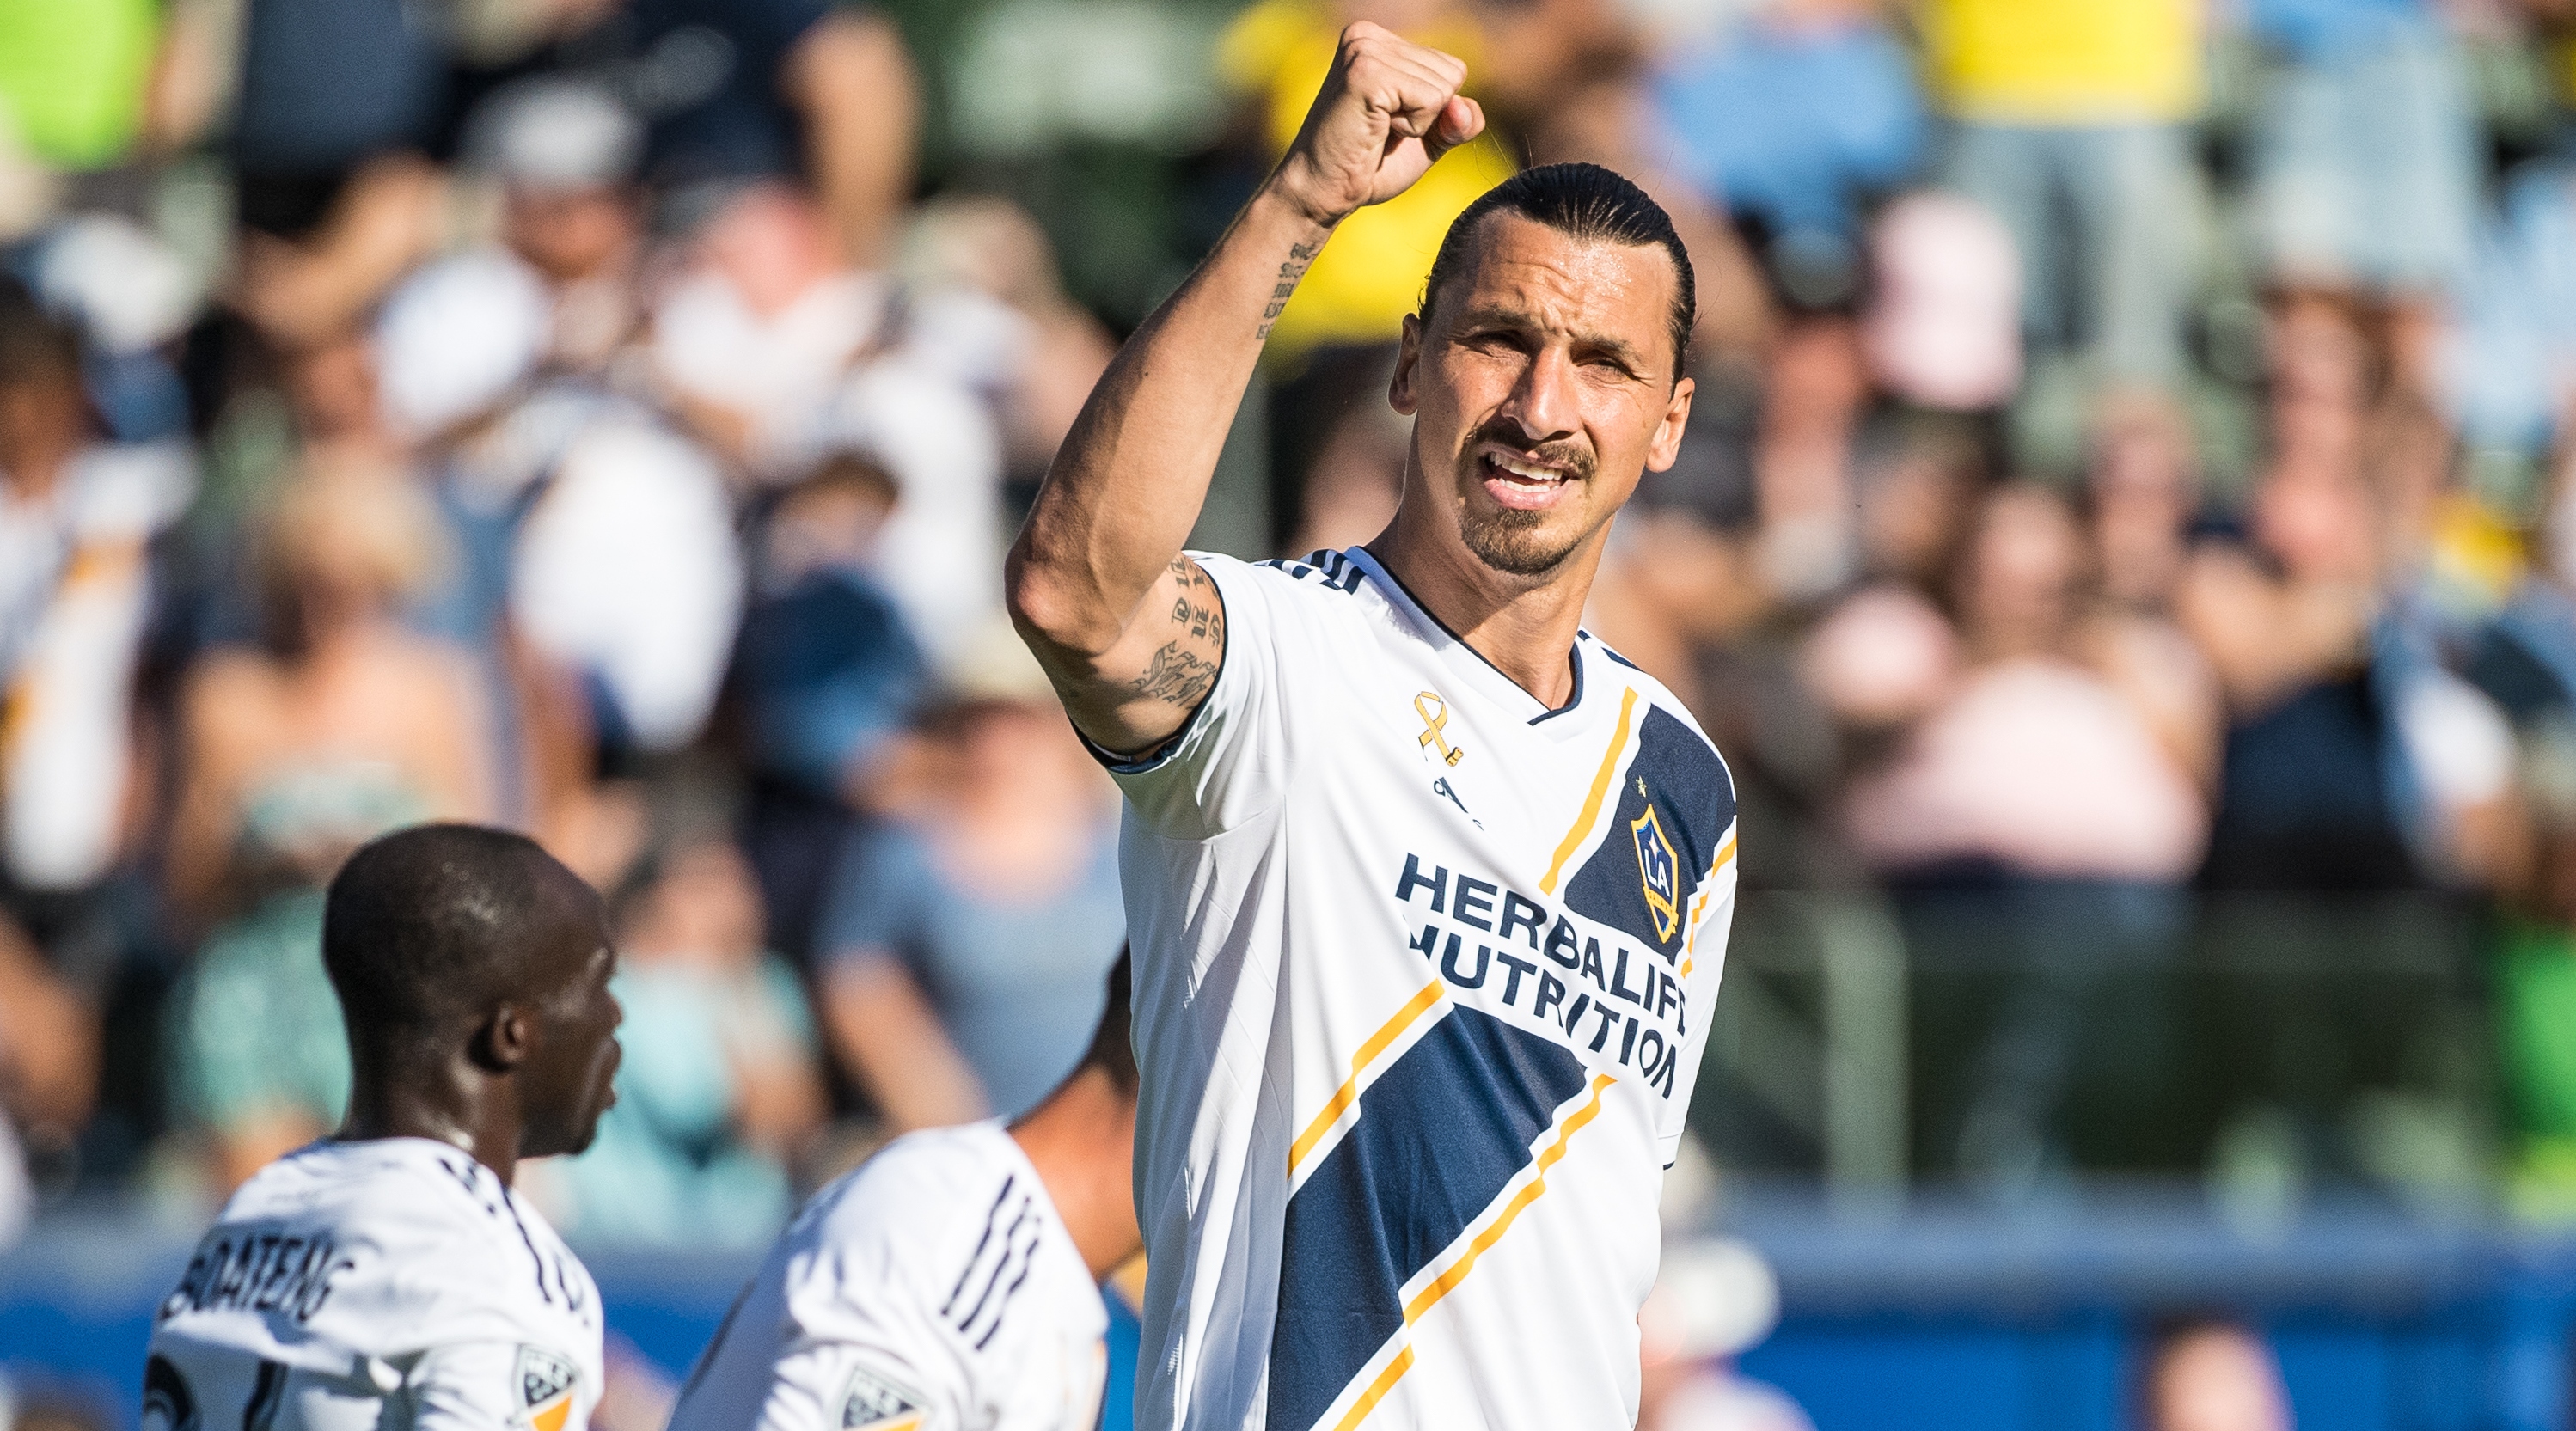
x: 1658, y: 872
x: 546, y: 1385
x: 875, y: 1403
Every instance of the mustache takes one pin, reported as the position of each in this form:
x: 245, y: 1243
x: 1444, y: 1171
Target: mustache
x: 1574, y: 457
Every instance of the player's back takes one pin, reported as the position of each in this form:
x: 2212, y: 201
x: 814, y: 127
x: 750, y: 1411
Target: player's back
x: 933, y: 1287
x: 375, y: 1286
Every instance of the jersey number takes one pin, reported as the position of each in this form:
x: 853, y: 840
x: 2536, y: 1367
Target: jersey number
x: 168, y: 1404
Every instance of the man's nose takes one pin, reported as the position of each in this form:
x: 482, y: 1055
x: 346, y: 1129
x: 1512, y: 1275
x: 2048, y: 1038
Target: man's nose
x: 1543, y: 402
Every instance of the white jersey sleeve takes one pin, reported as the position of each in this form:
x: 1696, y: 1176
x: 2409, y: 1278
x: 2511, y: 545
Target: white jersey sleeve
x: 931, y: 1289
x: 377, y: 1286
x: 1227, y: 766
x: 468, y: 1387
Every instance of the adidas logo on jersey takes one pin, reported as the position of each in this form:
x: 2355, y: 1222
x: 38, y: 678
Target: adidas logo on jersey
x: 874, y: 1403
x: 546, y: 1383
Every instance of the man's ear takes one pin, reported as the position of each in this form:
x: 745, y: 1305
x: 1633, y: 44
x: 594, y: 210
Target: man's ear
x: 1666, y: 449
x: 1399, y: 390
x: 505, y: 1040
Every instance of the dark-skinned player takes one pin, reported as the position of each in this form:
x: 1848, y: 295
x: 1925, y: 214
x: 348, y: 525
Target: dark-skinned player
x: 387, y: 1276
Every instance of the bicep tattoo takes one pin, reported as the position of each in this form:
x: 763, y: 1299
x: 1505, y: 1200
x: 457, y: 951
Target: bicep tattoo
x: 1183, y: 669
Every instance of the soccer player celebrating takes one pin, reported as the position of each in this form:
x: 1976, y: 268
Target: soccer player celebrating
x: 1428, y: 889
x: 388, y: 1277
x: 951, y: 1282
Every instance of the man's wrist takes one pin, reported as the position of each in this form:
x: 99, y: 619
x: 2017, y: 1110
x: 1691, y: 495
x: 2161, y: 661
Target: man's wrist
x: 1287, y: 189
x: 1278, y: 224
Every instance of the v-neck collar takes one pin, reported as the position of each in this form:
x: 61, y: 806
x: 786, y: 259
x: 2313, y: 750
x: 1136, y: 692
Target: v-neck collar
x: 1469, y: 664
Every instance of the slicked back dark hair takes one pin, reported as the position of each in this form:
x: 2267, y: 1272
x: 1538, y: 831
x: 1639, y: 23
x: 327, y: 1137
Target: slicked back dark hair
x: 1113, y: 1044
x: 435, y: 923
x: 1588, y: 204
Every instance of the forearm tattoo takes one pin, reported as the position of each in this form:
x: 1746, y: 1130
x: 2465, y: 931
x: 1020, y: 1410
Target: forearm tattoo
x: 1183, y: 669
x: 1300, y: 257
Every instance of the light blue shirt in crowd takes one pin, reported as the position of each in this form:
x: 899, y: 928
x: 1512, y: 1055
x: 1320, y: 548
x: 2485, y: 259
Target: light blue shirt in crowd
x: 1018, y: 985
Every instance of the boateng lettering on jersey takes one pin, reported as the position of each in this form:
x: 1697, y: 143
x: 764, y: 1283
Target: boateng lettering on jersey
x: 270, y: 1271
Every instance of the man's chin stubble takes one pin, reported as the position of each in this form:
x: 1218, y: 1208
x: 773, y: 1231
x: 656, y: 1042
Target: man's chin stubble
x: 1514, y: 543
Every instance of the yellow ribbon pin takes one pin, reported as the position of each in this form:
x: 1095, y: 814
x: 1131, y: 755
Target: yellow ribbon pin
x: 1435, y: 718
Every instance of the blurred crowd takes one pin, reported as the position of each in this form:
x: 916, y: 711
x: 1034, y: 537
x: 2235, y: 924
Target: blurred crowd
x: 2128, y: 518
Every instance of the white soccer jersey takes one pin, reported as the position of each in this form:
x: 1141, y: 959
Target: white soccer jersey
x: 382, y: 1285
x: 1423, y: 976
x: 932, y: 1288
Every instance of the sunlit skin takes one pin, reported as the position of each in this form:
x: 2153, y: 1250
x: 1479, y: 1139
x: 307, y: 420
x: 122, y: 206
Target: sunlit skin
x: 1542, y: 388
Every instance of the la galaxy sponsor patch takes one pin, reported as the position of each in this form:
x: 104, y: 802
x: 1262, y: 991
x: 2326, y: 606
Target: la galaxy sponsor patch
x: 874, y: 1402
x: 546, y: 1385
x: 1658, y: 872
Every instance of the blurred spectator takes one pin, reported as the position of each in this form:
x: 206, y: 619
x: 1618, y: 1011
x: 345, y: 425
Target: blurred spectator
x: 340, y: 726
x: 2365, y: 179
x: 969, y: 939
x: 2143, y: 485
x: 1712, y: 1302
x: 2098, y: 716
x: 829, y: 676
x: 2069, y: 126
x: 718, y: 1091
x: 2208, y: 1375
x: 566, y: 155
x: 736, y: 92
x: 2040, y: 811
x: 591, y: 532
x: 335, y: 103
x: 77, y: 513
x: 778, y: 354
x: 49, y: 1049
x: 1943, y: 325
x: 295, y: 751
x: 2354, y: 760
x: 131, y: 298
x: 1793, y: 121
x: 1356, y: 475
x: 1031, y: 343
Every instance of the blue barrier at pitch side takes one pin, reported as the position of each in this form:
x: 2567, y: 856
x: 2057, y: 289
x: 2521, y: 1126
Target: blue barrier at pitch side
x: 1957, y: 1320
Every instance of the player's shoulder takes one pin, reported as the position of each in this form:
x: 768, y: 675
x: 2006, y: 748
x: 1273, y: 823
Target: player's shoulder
x: 1302, y: 590
x: 916, y: 1211
x: 1323, y: 571
x: 402, y: 1238
x: 1670, y: 740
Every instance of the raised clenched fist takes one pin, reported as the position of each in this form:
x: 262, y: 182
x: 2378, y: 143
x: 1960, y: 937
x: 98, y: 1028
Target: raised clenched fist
x: 1388, y: 111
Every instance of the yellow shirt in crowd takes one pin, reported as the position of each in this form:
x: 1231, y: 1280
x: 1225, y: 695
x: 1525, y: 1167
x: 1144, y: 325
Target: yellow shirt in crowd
x: 2063, y: 62
x: 1370, y: 274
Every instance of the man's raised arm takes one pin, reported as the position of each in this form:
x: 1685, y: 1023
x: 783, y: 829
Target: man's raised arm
x: 1129, y: 629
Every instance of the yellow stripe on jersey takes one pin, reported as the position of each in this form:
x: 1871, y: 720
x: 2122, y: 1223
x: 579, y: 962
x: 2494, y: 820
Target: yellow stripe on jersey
x: 1447, y: 1282
x: 1377, y: 1391
x: 1600, y: 790
x: 1349, y: 1093
x: 1708, y: 891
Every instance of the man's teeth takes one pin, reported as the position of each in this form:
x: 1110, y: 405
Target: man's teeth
x: 1524, y: 471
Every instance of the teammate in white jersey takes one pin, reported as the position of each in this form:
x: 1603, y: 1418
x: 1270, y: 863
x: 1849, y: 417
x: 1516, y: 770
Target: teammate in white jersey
x: 1428, y: 889
x: 387, y: 1278
x: 951, y: 1282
